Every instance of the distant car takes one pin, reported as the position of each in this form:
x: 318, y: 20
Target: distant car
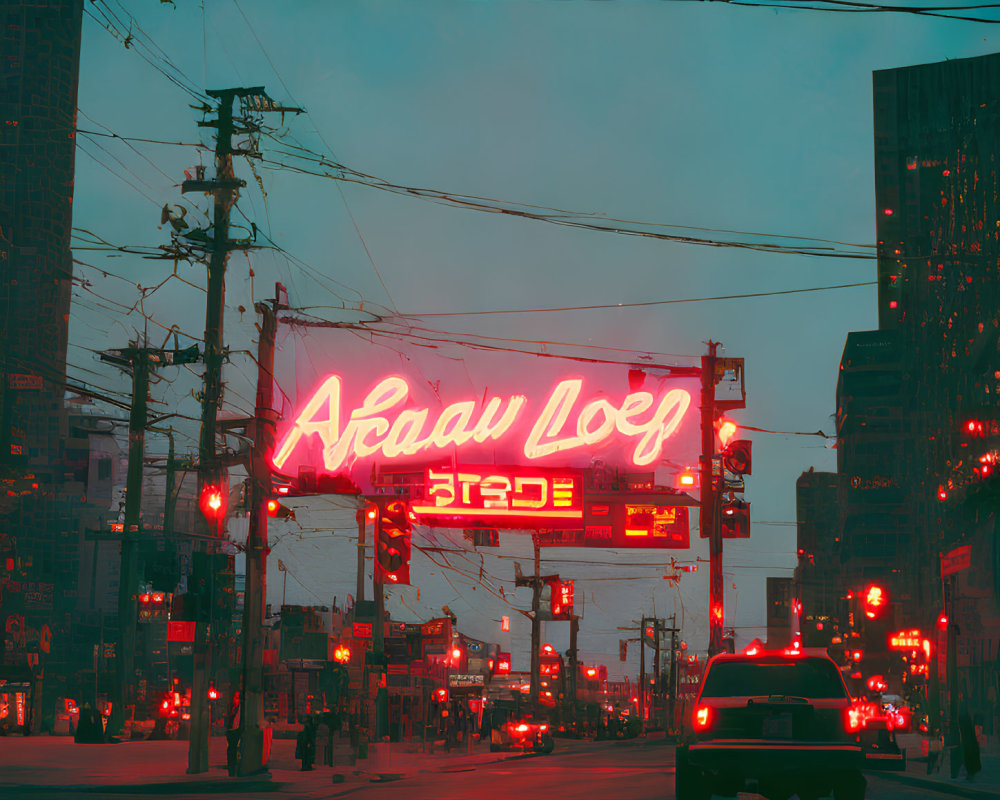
x: 523, y: 733
x: 777, y: 723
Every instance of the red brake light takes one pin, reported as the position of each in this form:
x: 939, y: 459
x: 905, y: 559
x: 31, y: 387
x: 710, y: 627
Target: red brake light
x: 522, y: 728
x: 852, y: 719
x: 702, y: 718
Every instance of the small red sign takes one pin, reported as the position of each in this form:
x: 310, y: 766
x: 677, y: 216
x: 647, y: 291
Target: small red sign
x: 180, y: 631
x: 362, y: 630
x: 958, y: 559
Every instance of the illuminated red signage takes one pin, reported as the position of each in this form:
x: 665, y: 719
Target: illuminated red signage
x: 501, y: 495
x: 362, y: 630
x: 387, y: 424
x: 562, y: 599
x: 503, y: 663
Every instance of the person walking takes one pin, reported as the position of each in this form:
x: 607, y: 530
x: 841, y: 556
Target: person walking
x: 970, y: 742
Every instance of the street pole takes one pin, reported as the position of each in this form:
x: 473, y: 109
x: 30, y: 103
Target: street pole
x: 128, y: 582
x: 574, y: 629
x: 642, y: 673
x: 710, y: 526
x: 656, y: 663
x: 672, y: 679
x: 359, y: 591
x: 225, y: 189
x: 536, y: 625
x: 252, y: 683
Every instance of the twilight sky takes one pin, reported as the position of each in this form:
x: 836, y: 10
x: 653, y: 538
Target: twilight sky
x: 671, y: 113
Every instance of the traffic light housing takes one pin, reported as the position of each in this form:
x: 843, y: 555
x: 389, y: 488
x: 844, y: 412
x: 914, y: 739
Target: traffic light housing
x: 395, y: 527
x: 735, y: 520
x: 876, y: 601
x: 213, y: 502
x: 561, y: 599
x: 277, y: 510
x: 737, y: 456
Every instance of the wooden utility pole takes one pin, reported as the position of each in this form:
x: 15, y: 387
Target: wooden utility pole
x: 574, y: 630
x: 709, y: 503
x: 642, y: 673
x: 672, y: 688
x: 536, y: 625
x: 251, y: 734
x: 225, y: 189
x: 128, y: 579
x: 139, y: 360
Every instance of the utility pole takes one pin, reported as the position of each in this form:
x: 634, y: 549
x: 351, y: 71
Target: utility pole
x: 656, y: 663
x: 139, y: 360
x: 359, y: 589
x: 574, y: 629
x: 128, y: 580
x: 672, y: 688
x: 252, y: 683
x: 710, y: 526
x: 642, y: 672
x: 225, y: 189
x: 536, y: 625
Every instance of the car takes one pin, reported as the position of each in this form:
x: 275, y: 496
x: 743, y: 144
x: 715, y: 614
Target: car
x: 523, y: 733
x: 777, y: 723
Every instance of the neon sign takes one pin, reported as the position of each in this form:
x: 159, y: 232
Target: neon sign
x: 385, y: 425
x: 502, y: 494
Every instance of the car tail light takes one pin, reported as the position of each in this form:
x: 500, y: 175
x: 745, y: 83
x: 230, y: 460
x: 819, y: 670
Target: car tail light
x: 853, y: 719
x: 543, y: 727
x: 702, y: 718
x: 522, y: 728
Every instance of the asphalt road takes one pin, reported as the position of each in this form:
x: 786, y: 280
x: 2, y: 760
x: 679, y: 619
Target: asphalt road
x: 576, y: 771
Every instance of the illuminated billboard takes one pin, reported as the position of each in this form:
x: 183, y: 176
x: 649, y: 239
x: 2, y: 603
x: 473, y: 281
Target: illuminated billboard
x: 353, y: 408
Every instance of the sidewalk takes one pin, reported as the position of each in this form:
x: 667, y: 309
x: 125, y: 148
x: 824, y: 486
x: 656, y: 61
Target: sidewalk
x: 983, y: 786
x: 56, y: 762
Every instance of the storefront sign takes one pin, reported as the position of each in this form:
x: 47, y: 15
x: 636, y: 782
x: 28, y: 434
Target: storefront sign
x: 387, y: 425
x: 958, y: 559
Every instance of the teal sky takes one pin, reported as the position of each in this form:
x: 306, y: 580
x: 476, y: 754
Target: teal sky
x: 677, y: 113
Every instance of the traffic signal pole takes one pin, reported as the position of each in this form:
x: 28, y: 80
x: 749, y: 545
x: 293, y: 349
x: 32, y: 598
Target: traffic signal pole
x: 128, y: 580
x: 710, y: 527
x: 224, y: 190
x: 536, y: 625
x: 251, y: 734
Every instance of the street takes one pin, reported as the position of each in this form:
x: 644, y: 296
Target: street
x: 629, y: 770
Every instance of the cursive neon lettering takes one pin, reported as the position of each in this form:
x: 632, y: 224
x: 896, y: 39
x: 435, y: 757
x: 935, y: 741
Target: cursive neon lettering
x: 382, y: 425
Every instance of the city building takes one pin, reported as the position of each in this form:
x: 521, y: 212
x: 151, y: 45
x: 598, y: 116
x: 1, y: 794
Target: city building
x: 918, y: 399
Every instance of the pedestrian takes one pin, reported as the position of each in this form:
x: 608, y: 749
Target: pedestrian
x: 305, y: 744
x: 970, y: 742
x: 233, y: 736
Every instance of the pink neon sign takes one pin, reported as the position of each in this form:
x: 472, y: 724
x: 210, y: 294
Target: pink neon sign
x: 388, y: 426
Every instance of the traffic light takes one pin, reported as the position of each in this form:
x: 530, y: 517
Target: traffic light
x: 212, y: 502
x: 875, y: 601
x: 277, y: 510
x: 394, y: 530
x: 623, y: 649
x: 725, y: 429
x: 153, y: 606
x: 736, y: 457
x: 562, y: 599
x: 975, y: 428
x: 735, y: 519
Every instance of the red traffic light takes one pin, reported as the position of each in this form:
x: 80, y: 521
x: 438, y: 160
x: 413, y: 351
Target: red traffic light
x: 737, y: 457
x: 213, y: 693
x: 213, y: 502
x: 942, y: 621
x: 441, y: 695
x: 875, y: 601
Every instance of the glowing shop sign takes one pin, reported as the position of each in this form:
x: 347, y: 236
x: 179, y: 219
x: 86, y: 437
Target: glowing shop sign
x: 502, y: 494
x: 386, y: 426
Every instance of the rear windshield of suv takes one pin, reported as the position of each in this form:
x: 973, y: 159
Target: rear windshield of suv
x: 800, y: 677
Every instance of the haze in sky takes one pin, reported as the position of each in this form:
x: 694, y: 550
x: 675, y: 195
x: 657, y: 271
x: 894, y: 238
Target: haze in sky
x: 703, y: 116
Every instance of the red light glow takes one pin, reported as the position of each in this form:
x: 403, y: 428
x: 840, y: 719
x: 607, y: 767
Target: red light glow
x: 702, y: 718
x: 562, y: 425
